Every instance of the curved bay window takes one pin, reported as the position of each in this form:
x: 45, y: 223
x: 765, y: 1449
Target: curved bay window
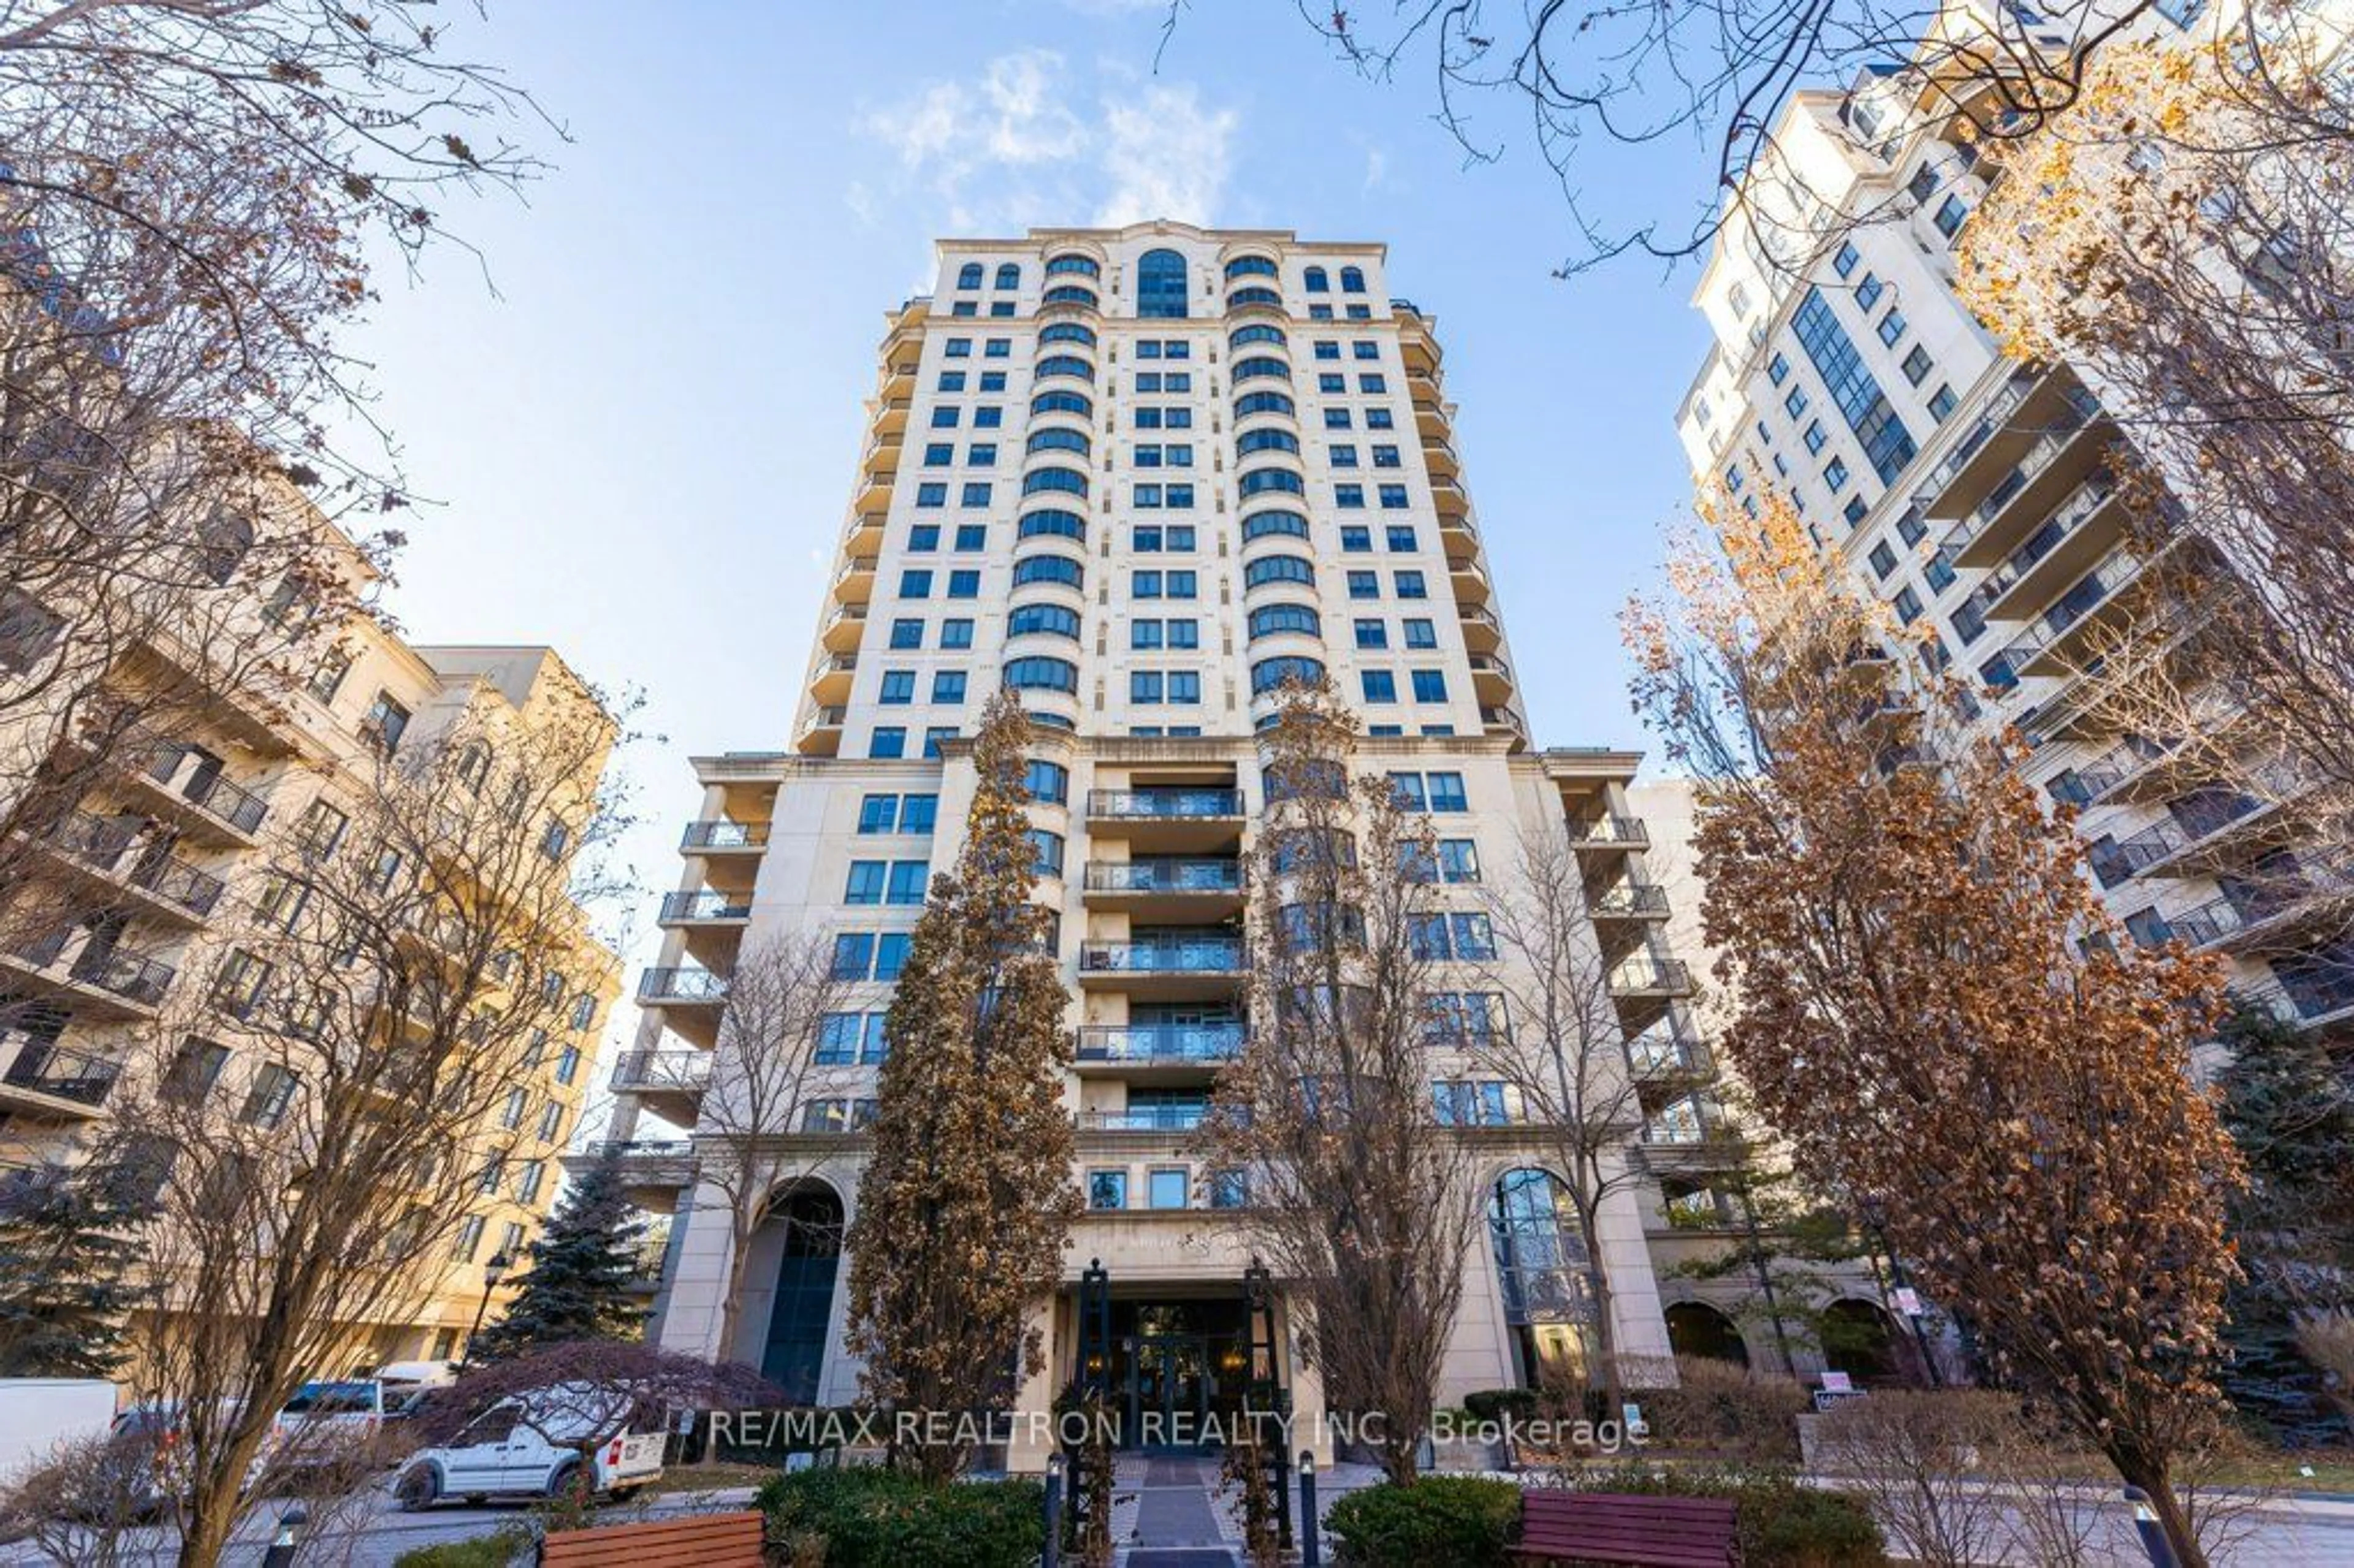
x: 1541, y: 1268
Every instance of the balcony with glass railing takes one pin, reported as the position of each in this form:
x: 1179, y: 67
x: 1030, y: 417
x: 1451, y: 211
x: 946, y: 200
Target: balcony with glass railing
x: 1199, y: 956
x: 653, y: 1171
x: 1178, y: 888
x: 724, y: 837
x: 1166, y: 804
x: 1158, y: 1044
x: 704, y: 906
x: 1163, y: 1120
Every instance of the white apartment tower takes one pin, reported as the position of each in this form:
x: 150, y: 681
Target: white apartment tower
x: 1138, y: 476
x: 1979, y: 497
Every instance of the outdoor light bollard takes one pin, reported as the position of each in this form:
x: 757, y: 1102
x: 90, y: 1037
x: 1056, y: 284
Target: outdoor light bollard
x: 1053, y: 1553
x: 1311, y: 1549
x: 2153, y: 1538
x: 281, y: 1546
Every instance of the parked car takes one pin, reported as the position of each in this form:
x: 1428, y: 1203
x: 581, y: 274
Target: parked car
x: 534, y: 1445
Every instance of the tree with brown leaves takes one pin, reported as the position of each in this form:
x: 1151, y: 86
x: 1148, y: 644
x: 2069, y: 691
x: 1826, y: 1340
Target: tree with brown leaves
x: 1936, y: 1012
x: 966, y: 1204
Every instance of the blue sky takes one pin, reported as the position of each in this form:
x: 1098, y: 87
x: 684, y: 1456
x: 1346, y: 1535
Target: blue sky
x: 640, y: 429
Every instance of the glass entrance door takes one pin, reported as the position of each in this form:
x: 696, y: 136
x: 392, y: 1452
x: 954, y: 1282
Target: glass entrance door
x: 1168, y: 1409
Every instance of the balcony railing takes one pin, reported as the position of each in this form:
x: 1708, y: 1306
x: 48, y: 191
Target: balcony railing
x: 45, y: 1068
x: 2080, y: 411
x: 1164, y: 804
x: 100, y: 843
x: 117, y: 971
x: 2014, y: 393
x: 1159, y: 1042
x: 1631, y: 899
x: 662, y: 1070
x: 1153, y: 1119
x: 1165, y: 876
x: 1647, y: 973
x: 724, y: 835
x: 1489, y: 664
x: 1201, y: 956
x: 704, y: 904
x: 1606, y: 830
x: 2086, y: 499
x: 689, y: 985
x: 1668, y: 1052
x: 652, y: 1160
x: 206, y: 790
x: 2114, y: 862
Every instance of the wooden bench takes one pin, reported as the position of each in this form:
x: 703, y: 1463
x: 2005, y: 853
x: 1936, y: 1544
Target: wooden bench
x: 1606, y: 1527
x: 691, y: 1540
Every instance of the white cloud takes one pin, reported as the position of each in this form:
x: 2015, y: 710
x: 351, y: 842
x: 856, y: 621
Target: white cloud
x: 1377, y: 171
x: 1006, y: 148
x: 1167, y: 156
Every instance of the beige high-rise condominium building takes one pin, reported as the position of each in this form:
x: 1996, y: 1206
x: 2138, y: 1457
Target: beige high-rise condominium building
x: 139, y: 943
x: 1140, y: 476
x: 1979, y: 498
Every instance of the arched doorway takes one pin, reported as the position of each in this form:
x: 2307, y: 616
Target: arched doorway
x: 1540, y: 1264
x: 794, y: 1355
x: 1697, y: 1328
x: 1860, y: 1341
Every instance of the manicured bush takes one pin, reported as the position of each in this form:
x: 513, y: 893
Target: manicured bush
x: 873, y: 1518
x: 1496, y: 1404
x: 1455, y: 1520
x: 1782, y: 1524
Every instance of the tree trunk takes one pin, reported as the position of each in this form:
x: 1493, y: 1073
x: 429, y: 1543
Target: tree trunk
x: 1399, y: 1456
x: 1606, y: 1333
x: 2151, y: 1476
x: 731, y: 1300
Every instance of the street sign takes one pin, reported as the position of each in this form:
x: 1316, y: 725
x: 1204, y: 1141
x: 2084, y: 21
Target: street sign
x: 1908, y: 1301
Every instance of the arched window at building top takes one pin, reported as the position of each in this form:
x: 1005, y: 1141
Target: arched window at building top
x: 1161, y: 284
x: 1352, y: 280
x: 969, y: 275
x: 1318, y: 283
x: 1009, y: 276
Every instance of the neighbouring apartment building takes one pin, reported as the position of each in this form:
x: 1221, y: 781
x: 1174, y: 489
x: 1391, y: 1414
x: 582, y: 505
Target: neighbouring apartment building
x: 169, y: 850
x: 1979, y: 498
x: 1140, y: 477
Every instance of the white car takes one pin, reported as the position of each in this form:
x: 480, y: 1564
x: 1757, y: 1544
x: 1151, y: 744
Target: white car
x: 535, y: 1446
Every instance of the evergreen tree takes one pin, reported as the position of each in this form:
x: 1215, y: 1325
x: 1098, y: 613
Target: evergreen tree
x: 2291, y: 1111
x: 966, y: 1204
x: 581, y: 1271
x: 67, y: 1249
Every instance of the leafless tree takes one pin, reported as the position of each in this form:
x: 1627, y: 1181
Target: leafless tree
x: 1587, y: 79
x: 1360, y: 1195
x: 1560, y: 1052
x: 416, y: 945
x: 190, y: 195
x: 771, y: 1061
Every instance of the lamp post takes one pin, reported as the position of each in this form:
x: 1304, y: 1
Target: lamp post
x: 1873, y: 1216
x: 1311, y: 1548
x: 492, y: 1272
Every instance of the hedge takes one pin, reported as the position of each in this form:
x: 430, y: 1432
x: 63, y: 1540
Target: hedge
x: 1455, y: 1520
x: 1783, y: 1523
x: 873, y: 1518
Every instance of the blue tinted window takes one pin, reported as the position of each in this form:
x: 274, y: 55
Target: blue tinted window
x: 1161, y: 284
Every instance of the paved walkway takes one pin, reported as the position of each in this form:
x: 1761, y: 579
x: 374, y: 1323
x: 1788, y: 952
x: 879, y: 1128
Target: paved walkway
x: 1177, y: 1521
